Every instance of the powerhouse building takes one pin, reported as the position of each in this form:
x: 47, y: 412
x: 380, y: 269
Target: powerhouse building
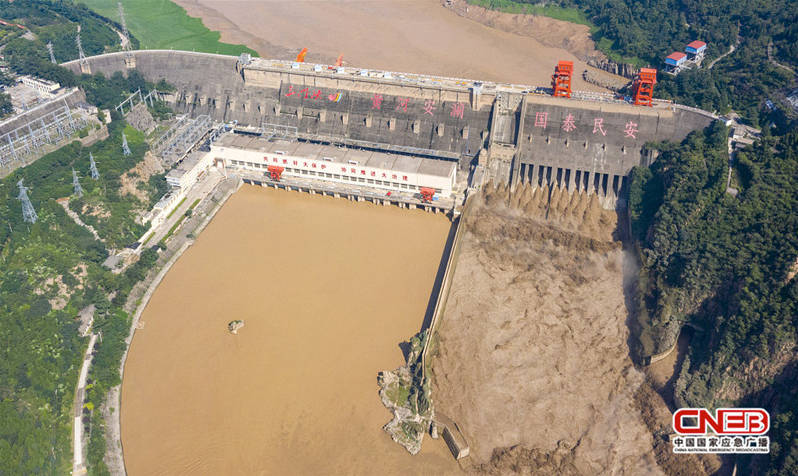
x: 349, y: 166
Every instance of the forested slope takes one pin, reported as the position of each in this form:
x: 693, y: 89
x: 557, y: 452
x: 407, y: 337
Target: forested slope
x: 726, y: 266
x: 52, y: 269
x: 644, y: 33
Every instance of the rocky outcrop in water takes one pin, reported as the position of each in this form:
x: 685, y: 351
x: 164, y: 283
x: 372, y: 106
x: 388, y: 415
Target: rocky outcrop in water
x: 406, y: 392
x: 234, y: 326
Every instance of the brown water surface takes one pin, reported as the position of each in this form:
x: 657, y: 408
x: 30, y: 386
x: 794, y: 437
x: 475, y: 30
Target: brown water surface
x: 327, y: 289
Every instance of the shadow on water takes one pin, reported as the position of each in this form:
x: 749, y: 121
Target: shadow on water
x: 436, y: 289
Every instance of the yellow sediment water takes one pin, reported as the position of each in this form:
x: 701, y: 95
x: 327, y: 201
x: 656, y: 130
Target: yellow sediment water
x: 327, y: 289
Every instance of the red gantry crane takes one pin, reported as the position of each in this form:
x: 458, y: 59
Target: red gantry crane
x: 427, y: 194
x: 275, y: 171
x: 643, y: 87
x: 561, y: 79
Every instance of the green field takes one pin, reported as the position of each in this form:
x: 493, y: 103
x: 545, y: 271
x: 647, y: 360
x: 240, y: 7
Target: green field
x: 162, y: 24
x: 552, y: 11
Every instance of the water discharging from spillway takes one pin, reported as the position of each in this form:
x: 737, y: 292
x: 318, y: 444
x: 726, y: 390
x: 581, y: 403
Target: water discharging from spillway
x: 327, y: 289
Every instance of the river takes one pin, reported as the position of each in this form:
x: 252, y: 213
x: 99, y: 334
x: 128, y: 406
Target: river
x: 327, y: 290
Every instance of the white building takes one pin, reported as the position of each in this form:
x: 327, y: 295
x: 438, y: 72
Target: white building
x: 42, y: 86
x: 189, y: 171
x: 362, y: 168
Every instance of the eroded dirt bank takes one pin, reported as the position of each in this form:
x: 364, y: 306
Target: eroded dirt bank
x: 533, y: 360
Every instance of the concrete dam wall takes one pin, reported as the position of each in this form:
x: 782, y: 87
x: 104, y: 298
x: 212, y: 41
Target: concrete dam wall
x: 518, y: 133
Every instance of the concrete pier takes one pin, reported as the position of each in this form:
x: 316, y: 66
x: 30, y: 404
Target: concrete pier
x: 354, y: 195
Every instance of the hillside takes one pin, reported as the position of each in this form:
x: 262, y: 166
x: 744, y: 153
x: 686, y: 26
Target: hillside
x: 52, y: 271
x: 725, y: 266
x: 165, y: 25
x: 644, y: 33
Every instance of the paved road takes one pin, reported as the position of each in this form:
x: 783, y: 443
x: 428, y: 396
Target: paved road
x: 199, y: 191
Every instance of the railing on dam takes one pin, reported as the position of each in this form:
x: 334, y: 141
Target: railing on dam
x: 366, y: 74
x: 448, y: 276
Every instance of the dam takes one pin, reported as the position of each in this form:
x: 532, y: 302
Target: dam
x: 507, y: 133
x: 383, y: 135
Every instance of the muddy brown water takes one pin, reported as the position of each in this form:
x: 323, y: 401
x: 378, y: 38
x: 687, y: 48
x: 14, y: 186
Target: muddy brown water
x: 419, y: 36
x: 327, y: 289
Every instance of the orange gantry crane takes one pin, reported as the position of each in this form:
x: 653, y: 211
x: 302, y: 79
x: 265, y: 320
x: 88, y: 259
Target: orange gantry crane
x: 561, y: 79
x: 643, y: 86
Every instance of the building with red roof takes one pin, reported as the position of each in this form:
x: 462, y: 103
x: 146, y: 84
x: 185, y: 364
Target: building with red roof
x: 696, y: 47
x: 676, y: 59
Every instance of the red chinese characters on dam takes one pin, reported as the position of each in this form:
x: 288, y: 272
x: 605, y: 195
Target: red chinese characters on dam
x: 457, y: 110
x: 331, y: 168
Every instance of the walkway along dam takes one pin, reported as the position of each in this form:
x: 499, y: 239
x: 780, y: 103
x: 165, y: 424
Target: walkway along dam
x: 502, y: 132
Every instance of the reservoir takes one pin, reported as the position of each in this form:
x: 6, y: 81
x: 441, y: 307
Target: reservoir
x: 327, y: 290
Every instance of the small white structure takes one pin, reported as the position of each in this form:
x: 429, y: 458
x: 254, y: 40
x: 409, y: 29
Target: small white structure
x: 43, y: 86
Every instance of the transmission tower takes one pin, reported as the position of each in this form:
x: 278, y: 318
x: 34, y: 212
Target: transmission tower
x: 50, y: 50
x: 81, y: 55
x: 76, y: 184
x: 28, y: 213
x: 93, y: 168
x: 125, y: 147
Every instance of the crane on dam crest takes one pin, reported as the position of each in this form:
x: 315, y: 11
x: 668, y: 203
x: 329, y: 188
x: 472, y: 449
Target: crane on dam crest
x: 561, y: 80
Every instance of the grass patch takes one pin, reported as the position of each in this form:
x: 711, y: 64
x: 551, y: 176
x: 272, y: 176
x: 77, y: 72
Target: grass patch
x: 174, y: 227
x: 175, y: 208
x: 162, y: 24
x: 398, y: 394
x: 571, y: 15
x: 605, y: 46
x: 194, y: 204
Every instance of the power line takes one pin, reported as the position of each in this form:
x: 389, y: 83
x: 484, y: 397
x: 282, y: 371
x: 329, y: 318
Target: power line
x: 81, y: 55
x: 125, y: 34
x: 50, y: 50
